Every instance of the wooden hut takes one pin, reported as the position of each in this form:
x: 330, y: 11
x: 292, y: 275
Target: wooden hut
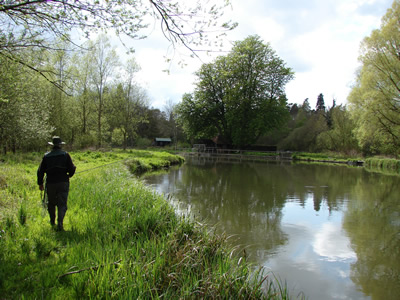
x: 161, y: 142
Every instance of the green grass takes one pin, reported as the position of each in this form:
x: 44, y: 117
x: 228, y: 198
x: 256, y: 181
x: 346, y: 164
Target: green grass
x: 385, y: 165
x: 325, y: 157
x: 121, y: 241
x: 388, y: 165
x: 257, y: 153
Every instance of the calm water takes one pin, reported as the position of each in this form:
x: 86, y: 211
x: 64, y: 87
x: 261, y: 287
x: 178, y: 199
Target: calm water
x: 331, y: 232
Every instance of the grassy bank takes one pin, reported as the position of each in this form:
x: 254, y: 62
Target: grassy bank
x: 121, y: 241
x: 388, y: 165
x: 377, y: 164
x: 326, y: 158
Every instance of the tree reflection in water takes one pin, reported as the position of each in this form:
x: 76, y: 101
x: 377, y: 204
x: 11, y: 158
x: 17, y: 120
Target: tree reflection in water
x: 372, y: 222
x: 294, y: 216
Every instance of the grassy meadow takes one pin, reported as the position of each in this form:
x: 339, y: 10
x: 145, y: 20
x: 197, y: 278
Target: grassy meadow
x: 122, y: 240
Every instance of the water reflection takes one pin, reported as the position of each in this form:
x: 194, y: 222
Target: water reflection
x: 373, y: 224
x: 331, y: 232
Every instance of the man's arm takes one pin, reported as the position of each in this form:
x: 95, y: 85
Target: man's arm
x: 70, y: 166
x: 40, y: 174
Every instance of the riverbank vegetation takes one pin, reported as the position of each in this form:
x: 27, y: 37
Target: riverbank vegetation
x: 121, y: 241
x: 95, y: 109
x: 327, y: 157
x: 385, y: 164
x: 367, y: 126
x: 377, y: 164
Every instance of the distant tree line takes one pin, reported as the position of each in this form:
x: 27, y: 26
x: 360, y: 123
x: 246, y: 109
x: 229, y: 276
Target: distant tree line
x: 52, y: 85
x: 96, y: 101
x: 91, y: 99
x: 240, y: 99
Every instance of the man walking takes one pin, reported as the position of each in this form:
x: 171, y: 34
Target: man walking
x: 58, y: 166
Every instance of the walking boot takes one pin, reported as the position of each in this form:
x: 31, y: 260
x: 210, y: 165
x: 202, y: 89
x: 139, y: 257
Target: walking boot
x: 53, y: 224
x: 60, y: 227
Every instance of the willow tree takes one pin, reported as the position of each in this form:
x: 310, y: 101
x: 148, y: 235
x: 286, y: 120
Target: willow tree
x: 375, y: 98
x: 238, y: 97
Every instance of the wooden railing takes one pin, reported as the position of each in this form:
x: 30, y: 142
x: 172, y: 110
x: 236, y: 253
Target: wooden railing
x: 212, y: 151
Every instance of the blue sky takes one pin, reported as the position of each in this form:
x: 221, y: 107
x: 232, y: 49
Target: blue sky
x: 319, y: 40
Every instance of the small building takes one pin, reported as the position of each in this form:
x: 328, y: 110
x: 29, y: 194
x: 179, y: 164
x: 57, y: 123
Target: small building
x: 161, y: 142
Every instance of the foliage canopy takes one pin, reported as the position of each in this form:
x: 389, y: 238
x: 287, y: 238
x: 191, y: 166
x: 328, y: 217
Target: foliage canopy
x: 39, y: 24
x: 238, y: 97
x: 375, y: 102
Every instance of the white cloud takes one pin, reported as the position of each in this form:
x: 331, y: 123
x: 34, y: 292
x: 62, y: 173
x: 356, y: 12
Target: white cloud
x: 331, y: 244
x: 319, y: 40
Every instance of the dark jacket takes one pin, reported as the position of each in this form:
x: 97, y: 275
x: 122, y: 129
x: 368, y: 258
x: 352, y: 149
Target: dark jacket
x: 58, y: 166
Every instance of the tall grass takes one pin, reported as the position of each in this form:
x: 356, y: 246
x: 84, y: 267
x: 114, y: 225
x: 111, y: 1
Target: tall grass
x: 383, y: 164
x: 121, y: 241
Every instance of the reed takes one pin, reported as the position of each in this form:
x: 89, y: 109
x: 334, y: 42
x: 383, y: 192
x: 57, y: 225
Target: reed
x: 383, y: 164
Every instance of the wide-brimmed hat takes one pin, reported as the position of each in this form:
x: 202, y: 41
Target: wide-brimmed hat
x: 56, y: 141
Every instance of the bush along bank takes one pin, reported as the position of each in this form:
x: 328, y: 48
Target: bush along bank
x: 121, y: 241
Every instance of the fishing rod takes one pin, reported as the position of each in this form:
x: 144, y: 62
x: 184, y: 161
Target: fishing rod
x: 87, y: 170
x: 43, y: 194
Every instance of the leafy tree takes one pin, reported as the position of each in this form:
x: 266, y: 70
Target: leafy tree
x: 300, y: 114
x: 341, y: 136
x: 84, y: 97
x: 130, y: 112
x: 173, y: 130
x: 105, y: 60
x: 374, y: 100
x: 238, y: 97
x: 155, y: 125
x: 62, y: 105
x: 38, y: 24
x: 306, y: 106
x: 304, y: 135
x: 329, y: 114
x: 126, y: 112
x: 23, y: 108
x: 293, y: 110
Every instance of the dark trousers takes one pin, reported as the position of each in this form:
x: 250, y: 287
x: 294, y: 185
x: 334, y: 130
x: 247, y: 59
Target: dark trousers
x: 57, y: 194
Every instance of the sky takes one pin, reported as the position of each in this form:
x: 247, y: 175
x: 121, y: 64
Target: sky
x: 318, y: 40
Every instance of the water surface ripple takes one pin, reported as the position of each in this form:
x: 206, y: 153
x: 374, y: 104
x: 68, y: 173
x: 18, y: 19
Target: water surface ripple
x: 331, y: 232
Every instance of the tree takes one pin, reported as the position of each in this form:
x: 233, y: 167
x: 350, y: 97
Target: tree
x: 238, y: 97
x: 126, y: 113
x: 306, y: 105
x: 304, y: 136
x: 23, y: 108
x: 341, y: 135
x: 374, y: 100
x: 37, y: 24
x: 172, y: 129
x: 320, y: 106
x: 62, y: 115
x: 130, y: 112
x: 105, y: 60
x: 155, y: 125
x: 83, y: 94
x: 329, y: 114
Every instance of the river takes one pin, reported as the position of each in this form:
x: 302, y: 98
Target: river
x: 329, y: 232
